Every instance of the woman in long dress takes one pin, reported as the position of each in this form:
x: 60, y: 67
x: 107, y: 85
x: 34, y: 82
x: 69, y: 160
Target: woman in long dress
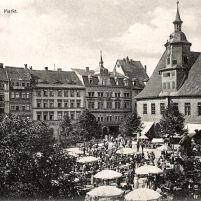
x: 135, y: 182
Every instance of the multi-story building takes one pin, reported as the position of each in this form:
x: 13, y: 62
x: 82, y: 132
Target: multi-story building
x: 4, y: 91
x: 20, y: 97
x: 175, y: 79
x: 109, y: 95
x: 56, y: 93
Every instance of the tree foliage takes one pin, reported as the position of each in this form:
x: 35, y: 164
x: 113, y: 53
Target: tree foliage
x: 66, y: 125
x: 30, y: 159
x: 131, y: 124
x: 172, y: 121
x: 88, y: 126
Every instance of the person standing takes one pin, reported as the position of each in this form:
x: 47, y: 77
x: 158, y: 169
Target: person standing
x: 195, y: 191
x: 142, y: 146
x: 138, y: 146
x: 135, y: 182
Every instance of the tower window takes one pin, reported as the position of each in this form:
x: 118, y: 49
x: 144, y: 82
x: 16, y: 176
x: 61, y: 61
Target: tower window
x: 173, y: 85
x: 166, y: 74
x: 168, y: 60
x: 168, y: 85
x: 174, y: 62
x: 185, y: 60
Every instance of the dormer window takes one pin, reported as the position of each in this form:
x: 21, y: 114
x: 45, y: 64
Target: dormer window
x: 104, y: 82
x: 90, y: 81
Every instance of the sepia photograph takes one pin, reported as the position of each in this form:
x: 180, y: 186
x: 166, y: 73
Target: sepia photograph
x: 100, y: 100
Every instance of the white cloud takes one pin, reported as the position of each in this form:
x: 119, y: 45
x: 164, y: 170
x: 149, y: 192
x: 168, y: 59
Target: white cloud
x: 148, y: 38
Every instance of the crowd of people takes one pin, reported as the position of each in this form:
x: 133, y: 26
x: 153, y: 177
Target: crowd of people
x: 181, y: 177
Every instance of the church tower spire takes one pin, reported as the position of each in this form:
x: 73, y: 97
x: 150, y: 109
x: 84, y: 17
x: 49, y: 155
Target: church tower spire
x: 177, y: 22
x: 101, y: 60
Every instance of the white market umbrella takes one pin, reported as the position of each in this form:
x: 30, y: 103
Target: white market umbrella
x: 74, y: 150
x: 105, y: 191
x: 107, y: 174
x: 126, y: 151
x: 164, y: 148
x: 143, y: 137
x: 142, y: 194
x: 88, y: 159
x: 148, y: 169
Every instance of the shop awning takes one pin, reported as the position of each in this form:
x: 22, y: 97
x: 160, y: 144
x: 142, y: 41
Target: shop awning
x: 192, y: 127
x: 146, y: 126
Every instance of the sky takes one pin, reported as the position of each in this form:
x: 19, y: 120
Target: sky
x: 70, y: 33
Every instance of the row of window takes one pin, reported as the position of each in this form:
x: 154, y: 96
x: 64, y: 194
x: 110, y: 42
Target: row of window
x: 59, y: 104
x: 59, y: 93
x: 174, y: 61
x: 20, y: 95
x: 187, y: 108
x: 109, y: 105
x: 20, y: 107
x: 20, y: 84
x: 108, y: 94
x: 50, y: 115
x: 153, y: 108
x: 107, y: 82
x: 110, y: 118
x: 169, y: 85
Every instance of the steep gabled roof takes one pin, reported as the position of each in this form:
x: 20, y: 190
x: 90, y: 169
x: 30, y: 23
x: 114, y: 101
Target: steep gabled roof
x: 154, y: 85
x: 190, y: 87
x: 17, y: 73
x: 56, y: 77
x: 133, y: 69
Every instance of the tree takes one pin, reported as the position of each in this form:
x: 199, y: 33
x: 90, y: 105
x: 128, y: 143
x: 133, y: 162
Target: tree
x: 88, y: 125
x: 30, y: 159
x: 172, y: 121
x: 66, y: 126
x: 131, y: 124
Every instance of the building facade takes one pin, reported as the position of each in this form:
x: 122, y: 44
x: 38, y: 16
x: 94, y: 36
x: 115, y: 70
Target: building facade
x: 175, y: 79
x: 109, y: 95
x: 20, y: 93
x: 56, y: 93
x: 4, y: 92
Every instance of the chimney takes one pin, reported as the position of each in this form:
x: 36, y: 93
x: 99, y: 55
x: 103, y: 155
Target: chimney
x: 127, y: 59
x: 59, y: 69
x: 30, y: 67
x: 87, y: 69
x: 1, y: 65
x: 25, y: 66
x: 145, y: 67
x: 46, y: 68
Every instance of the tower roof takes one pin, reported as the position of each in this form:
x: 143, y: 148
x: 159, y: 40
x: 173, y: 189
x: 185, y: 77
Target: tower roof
x: 178, y: 18
x: 101, y: 60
